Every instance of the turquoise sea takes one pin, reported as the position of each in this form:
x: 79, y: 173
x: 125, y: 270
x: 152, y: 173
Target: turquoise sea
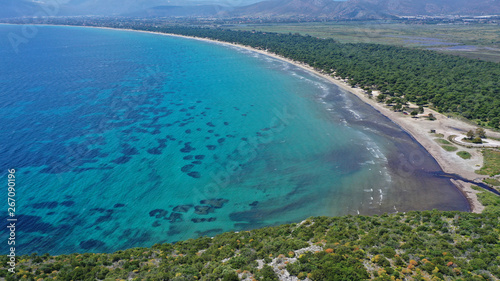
x: 123, y: 139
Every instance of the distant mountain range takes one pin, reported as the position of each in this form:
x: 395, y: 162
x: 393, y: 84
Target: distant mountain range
x: 182, y: 11
x: 368, y: 9
x: 352, y: 9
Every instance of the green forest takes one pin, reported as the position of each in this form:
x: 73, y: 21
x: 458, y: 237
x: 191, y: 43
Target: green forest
x: 450, y: 84
x: 429, y: 245
x: 418, y: 245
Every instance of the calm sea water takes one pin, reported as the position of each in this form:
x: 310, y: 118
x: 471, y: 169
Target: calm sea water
x: 123, y: 139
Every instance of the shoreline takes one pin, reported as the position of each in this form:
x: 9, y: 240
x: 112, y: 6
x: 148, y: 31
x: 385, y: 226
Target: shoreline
x: 432, y: 147
x: 419, y: 128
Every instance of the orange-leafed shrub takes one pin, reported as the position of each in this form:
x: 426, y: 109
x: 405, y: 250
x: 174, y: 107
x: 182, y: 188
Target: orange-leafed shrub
x: 406, y: 271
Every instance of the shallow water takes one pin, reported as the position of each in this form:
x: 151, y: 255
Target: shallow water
x: 171, y: 138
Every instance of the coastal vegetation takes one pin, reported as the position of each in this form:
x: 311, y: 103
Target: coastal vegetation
x: 442, y: 141
x: 403, y: 246
x: 475, y: 137
x: 464, y: 154
x: 490, y: 201
x: 449, y: 148
x: 481, y: 39
x: 493, y: 182
x: 431, y: 117
x: 491, y: 163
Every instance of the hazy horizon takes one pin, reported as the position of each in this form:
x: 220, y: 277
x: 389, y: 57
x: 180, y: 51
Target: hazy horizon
x: 335, y: 9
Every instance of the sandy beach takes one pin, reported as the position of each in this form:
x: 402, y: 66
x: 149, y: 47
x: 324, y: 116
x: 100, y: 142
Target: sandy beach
x: 419, y: 127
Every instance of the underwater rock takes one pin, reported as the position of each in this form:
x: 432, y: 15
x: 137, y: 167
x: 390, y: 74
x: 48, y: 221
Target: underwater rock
x: 187, y: 168
x: 154, y: 151
x: 45, y: 205
x: 100, y: 210
x: 158, y: 213
x: 90, y: 244
x: 254, y: 203
x: 187, y: 148
x: 195, y: 175
x: 216, y: 203
x: 182, y: 208
x: 198, y: 220
x: 175, y: 217
x: 203, y: 210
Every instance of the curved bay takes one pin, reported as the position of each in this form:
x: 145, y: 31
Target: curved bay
x: 172, y: 138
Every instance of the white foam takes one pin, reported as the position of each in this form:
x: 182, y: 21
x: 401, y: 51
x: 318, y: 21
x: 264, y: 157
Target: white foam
x: 356, y: 115
x: 368, y: 162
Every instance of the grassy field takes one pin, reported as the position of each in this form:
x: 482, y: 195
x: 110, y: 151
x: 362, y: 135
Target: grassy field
x: 441, y: 141
x: 491, y: 163
x: 486, y: 37
x: 490, y: 201
x: 464, y: 154
x: 493, y: 182
x: 449, y: 148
